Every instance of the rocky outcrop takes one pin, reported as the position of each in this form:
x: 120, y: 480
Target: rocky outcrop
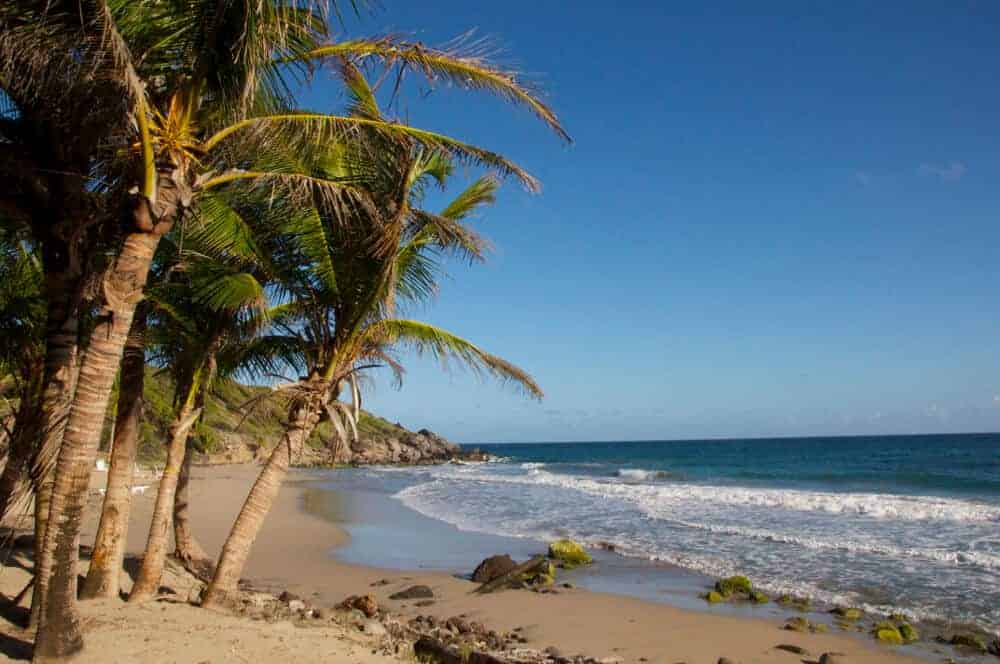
x: 243, y: 423
x: 398, y: 447
x: 382, y: 445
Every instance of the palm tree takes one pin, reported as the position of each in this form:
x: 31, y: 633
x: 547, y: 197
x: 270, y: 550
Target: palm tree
x: 168, y: 61
x: 339, y: 317
x: 212, y: 302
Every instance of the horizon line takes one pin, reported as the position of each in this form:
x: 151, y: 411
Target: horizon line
x: 724, y: 439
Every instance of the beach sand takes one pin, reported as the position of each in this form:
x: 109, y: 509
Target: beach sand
x: 293, y: 553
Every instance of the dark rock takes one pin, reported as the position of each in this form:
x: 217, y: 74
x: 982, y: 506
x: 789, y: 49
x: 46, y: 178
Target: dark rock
x: 287, y: 597
x: 366, y: 604
x: 794, y: 649
x: 457, y: 624
x: 413, y: 592
x: 994, y: 647
x: 381, y: 582
x: 427, y: 649
x: 424, y: 602
x: 725, y: 660
x: 832, y: 658
x: 968, y: 641
x: 493, y: 568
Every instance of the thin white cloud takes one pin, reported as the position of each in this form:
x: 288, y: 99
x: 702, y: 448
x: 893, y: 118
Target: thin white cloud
x: 951, y: 172
x: 864, y: 178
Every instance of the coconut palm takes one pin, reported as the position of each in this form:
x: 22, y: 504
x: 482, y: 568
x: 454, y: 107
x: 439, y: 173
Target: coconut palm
x: 345, y: 276
x: 210, y: 302
x: 199, y: 86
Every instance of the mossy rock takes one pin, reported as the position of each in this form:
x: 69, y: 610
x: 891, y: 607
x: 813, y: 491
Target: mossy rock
x: 569, y: 553
x: 543, y: 580
x: 757, y: 597
x: 822, y: 628
x: 734, y: 585
x: 714, y: 598
x: 546, y: 569
x: 968, y: 641
x: 889, y: 635
x: 898, y: 618
x: 909, y: 632
x: 886, y: 632
x: 848, y: 613
x: 797, y: 624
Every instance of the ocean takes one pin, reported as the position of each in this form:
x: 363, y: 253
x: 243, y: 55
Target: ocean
x: 905, y: 524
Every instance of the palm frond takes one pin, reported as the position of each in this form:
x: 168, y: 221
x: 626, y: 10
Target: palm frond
x: 323, y: 128
x: 445, y: 346
x: 461, y: 65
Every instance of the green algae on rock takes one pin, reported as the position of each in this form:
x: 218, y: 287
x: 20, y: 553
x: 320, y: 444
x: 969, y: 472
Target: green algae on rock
x: 734, y: 585
x: 569, y: 553
x: 848, y: 613
x: 886, y: 632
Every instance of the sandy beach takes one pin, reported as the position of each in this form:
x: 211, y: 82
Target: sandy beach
x: 293, y: 553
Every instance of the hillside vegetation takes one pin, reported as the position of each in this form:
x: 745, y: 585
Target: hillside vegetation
x: 239, y: 423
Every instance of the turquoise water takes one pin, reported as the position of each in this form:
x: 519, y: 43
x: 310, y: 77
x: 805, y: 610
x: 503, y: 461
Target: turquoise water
x: 904, y: 523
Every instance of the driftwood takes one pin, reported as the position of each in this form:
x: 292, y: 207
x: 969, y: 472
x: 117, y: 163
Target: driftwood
x: 431, y: 650
x: 533, y: 565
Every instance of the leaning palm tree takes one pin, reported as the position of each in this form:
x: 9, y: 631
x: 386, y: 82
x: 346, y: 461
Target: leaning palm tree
x: 205, y: 267
x: 201, y: 85
x: 212, y: 304
x: 340, y: 315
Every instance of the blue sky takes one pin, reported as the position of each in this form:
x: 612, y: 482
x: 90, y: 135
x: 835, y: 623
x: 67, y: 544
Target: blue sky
x: 777, y: 219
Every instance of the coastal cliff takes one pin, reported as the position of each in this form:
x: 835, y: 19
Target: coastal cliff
x: 242, y: 423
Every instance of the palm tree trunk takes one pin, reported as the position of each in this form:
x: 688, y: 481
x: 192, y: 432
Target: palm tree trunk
x: 221, y: 591
x: 62, y: 283
x: 58, y: 634
x: 187, y: 549
x: 153, y: 560
x: 103, y: 577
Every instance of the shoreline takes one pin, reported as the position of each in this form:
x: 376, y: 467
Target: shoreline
x: 294, y: 553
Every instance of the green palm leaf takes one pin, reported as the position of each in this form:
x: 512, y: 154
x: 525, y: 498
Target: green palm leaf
x: 445, y: 346
x: 466, y: 70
